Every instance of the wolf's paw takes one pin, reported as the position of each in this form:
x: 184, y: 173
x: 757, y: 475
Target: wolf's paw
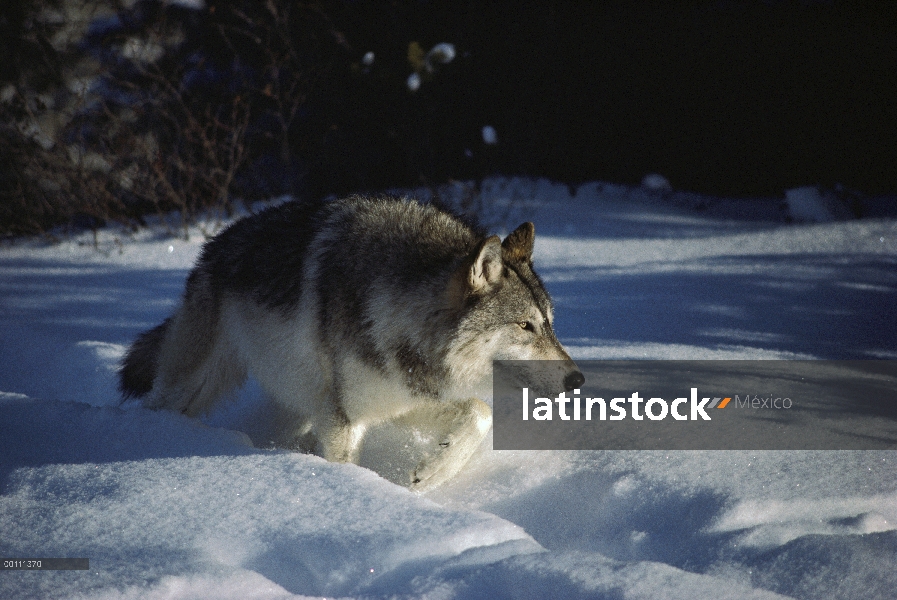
x: 467, y: 422
x: 429, y: 473
x: 444, y: 463
x: 427, y: 476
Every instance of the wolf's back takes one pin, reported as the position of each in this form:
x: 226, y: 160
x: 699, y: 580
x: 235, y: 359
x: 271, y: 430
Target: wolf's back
x: 260, y: 256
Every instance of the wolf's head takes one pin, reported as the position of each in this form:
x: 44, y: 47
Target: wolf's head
x: 506, y: 315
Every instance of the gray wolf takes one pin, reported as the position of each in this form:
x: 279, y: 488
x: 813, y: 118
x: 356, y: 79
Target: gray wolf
x: 350, y: 313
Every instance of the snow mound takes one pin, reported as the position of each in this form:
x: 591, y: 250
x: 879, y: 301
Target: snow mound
x: 154, y: 496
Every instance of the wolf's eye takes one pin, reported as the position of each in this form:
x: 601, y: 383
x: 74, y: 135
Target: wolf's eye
x: 525, y: 325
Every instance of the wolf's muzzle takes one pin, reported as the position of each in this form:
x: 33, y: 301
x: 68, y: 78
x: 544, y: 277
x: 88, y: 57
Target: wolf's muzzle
x: 573, y: 380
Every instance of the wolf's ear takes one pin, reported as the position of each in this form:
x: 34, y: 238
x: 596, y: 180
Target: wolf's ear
x: 518, y: 246
x: 485, y: 270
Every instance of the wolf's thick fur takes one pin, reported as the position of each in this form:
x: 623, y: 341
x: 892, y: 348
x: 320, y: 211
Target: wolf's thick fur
x: 350, y: 313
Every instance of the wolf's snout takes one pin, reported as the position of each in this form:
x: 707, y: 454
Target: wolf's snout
x: 573, y: 380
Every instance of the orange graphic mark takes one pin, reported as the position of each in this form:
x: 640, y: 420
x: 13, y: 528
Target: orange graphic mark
x: 724, y: 403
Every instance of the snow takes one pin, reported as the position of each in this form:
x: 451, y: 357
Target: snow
x: 813, y: 205
x: 442, y: 53
x: 413, y: 82
x: 170, y: 507
x: 656, y: 183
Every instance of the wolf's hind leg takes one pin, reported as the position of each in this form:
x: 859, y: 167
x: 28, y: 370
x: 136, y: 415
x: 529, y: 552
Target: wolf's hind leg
x: 463, y: 425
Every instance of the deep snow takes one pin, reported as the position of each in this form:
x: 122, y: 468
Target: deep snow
x: 168, y: 507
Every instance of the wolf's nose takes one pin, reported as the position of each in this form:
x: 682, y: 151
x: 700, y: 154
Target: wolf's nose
x: 574, y: 380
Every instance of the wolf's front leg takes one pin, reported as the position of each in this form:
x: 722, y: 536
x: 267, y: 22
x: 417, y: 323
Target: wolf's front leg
x: 462, y: 425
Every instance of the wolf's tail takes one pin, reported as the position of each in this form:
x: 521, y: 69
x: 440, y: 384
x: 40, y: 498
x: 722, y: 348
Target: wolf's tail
x: 187, y: 363
x: 139, y: 367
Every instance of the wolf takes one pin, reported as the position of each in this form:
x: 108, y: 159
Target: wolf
x: 350, y: 313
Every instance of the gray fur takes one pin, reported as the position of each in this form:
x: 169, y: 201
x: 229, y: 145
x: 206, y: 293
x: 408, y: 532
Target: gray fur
x: 350, y: 313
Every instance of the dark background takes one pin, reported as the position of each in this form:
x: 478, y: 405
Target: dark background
x: 251, y: 99
x: 728, y: 98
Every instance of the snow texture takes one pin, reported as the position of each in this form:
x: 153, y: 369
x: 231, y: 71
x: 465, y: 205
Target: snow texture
x: 169, y: 507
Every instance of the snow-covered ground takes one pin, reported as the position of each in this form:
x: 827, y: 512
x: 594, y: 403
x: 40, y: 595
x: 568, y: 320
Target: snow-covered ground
x: 169, y: 507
